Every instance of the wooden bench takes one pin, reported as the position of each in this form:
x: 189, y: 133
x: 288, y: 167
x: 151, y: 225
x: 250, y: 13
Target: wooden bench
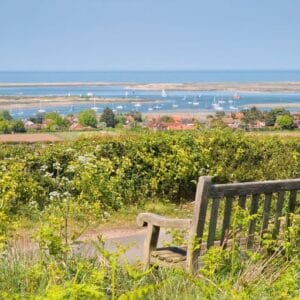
x: 266, y: 201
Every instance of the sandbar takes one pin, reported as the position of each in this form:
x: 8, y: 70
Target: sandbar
x: 17, y: 102
x: 251, y: 87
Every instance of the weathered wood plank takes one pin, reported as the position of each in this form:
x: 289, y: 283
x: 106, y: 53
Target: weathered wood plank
x: 150, y: 243
x: 266, y: 214
x: 278, y: 213
x: 252, y: 224
x: 242, y: 201
x: 252, y: 188
x: 226, y: 219
x: 198, y: 223
x: 161, y: 221
x: 213, y: 222
x: 291, y: 207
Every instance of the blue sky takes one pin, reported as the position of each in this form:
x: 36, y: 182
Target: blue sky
x: 149, y: 34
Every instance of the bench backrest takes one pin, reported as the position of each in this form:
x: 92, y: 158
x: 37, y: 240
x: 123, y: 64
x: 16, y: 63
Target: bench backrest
x: 269, y: 201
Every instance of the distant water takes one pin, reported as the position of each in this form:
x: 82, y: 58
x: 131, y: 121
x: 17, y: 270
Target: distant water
x: 175, y: 101
x: 151, y: 76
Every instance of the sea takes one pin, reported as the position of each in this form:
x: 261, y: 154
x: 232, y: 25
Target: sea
x: 169, y: 102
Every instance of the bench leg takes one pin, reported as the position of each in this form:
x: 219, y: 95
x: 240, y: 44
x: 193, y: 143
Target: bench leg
x: 150, y: 243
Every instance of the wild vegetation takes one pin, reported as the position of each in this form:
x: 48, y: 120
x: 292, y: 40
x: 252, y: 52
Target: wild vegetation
x: 67, y: 186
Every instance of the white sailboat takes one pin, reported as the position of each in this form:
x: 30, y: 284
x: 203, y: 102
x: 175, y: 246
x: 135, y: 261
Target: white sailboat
x: 233, y: 105
x: 95, y: 108
x: 216, y: 105
x: 164, y: 94
x: 40, y: 110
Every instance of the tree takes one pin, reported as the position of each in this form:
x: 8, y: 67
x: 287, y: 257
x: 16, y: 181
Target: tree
x: 4, y: 126
x: 285, y: 122
x: 120, y: 119
x: 220, y: 114
x: 5, y: 115
x: 137, y: 115
x: 88, y: 118
x: 108, y: 117
x: 271, y: 116
x: 17, y: 126
x: 166, y: 119
x: 217, y: 123
x: 251, y: 116
x: 57, y: 120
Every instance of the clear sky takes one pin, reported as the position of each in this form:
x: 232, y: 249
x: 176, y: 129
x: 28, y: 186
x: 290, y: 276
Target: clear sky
x: 149, y: 34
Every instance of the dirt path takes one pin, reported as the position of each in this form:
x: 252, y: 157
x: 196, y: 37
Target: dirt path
x: 28, y: 138
x: 130, y: 238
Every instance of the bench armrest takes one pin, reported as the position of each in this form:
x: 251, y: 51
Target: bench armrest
x: 144, y: 218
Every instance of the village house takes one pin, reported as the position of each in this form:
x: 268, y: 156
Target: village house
x: 76, y: 126
x: 175, y: 123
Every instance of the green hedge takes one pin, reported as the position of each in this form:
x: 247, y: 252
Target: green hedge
x: 129, y: 169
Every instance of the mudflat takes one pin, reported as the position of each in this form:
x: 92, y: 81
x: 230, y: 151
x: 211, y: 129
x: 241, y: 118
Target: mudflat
x: 10, y: 102
x: 259, y: 87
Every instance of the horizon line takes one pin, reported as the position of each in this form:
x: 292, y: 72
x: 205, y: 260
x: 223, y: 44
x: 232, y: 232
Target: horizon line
x: 156, y: 70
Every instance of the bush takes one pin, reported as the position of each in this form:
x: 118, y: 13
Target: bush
x: 88, y: 118
x: 121, y: 170
x: 285, y: 122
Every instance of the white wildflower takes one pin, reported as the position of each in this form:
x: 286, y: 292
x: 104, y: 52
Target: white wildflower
x: 54, y: 195
x: 44, y: 168
x: 82, y: 159
x: 57, y: 166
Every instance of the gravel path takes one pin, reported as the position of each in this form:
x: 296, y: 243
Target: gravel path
x: 131, y: 238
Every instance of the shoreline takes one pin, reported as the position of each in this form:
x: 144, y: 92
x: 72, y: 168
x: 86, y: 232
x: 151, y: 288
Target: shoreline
x: 247, y: 87
x: 11, y: 102
x: 272, y: 105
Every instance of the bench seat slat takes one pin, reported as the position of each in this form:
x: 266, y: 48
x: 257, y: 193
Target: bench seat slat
x: 252, y: 224
x: 226, y: 220
x: 252, y: 188
x: 242, y: 201
x: 291, y: 206
x: 213, y: 222
x: 278, y: 213
x: 266, y: 213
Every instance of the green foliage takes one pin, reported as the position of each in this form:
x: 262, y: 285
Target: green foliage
x: 9, y: 125
x: 166, y: 119
x: 120, y: 119
x: 17, y: 126
x: 217, y: 123
x: 58, y: 122
x: 137, y: 115
x: 5, y: 115
x: 271, y: 116
x: 120, y: 170
x: 251, y: 116
x: 108, y: 117
x: 86, y: 178
x: 285, y: 121
x: 88, y: 118
x: 75, y: 277
x: 4, y: 126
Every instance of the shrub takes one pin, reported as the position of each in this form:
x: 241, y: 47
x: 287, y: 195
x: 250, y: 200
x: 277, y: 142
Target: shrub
x: 88, y: 118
